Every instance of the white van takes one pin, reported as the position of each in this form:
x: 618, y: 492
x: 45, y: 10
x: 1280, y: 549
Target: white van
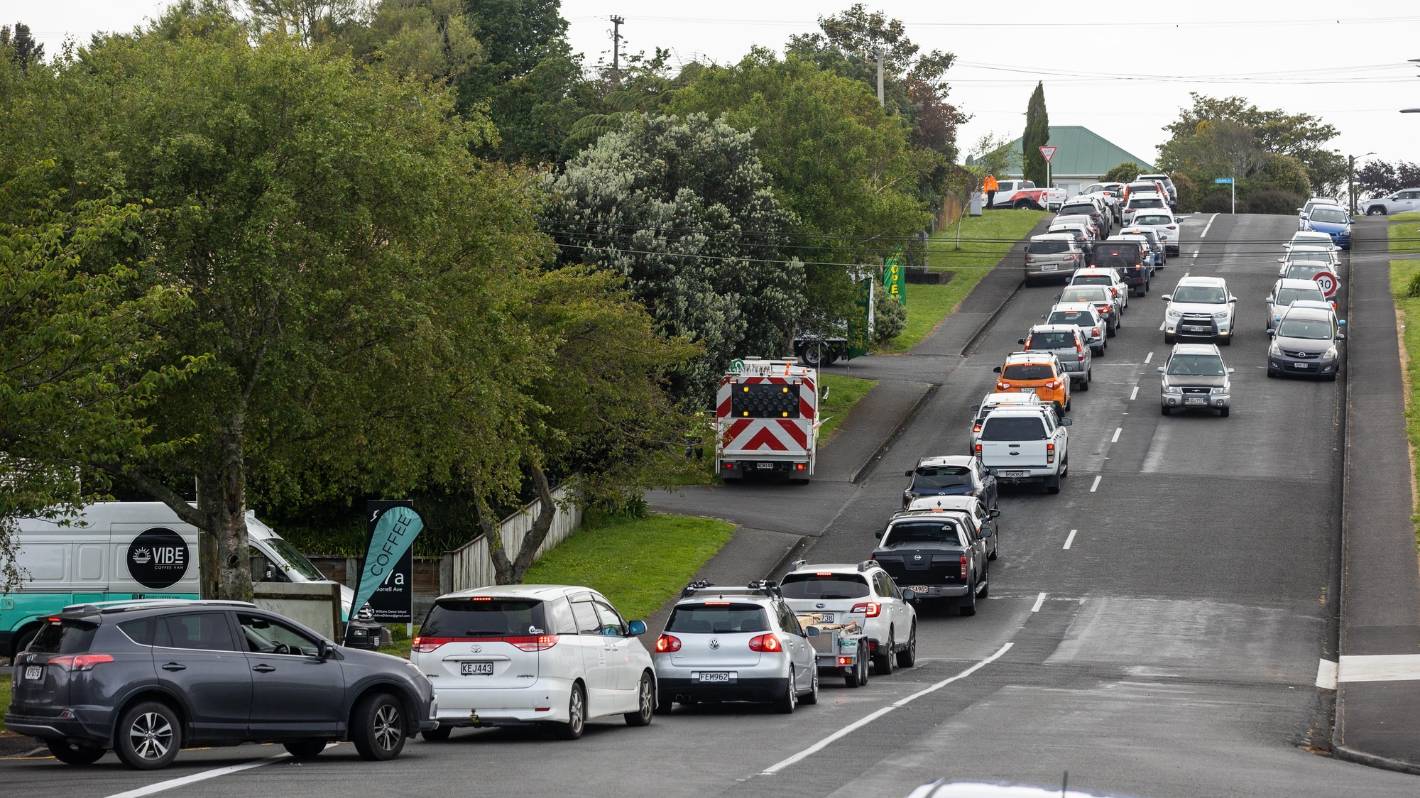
x: 117, y: 551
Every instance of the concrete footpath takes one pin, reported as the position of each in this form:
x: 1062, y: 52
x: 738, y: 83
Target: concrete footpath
x: 1378, y: 673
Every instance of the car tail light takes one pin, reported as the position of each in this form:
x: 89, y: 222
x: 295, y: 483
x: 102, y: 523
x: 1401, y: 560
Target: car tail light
x: 869, y: 608
x: 766, y: 643
x: 1096, y: 330
x: 963, y: 567
x: 1049, y: 452
x: 81, y: 662
x: 665, y: 644
x: 975, y: 427
x: 845, y: 660
x: 1003, y: 386
x: 978, y: 450
x: 532, y: 642
x: 425, y: 645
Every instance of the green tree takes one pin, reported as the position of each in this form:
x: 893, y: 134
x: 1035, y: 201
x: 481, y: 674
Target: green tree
x: 310, y: 21
x: 19, y: 45
x: 684, y: 210
x: 426, y: 39
x: 1301, y: 136
x: 1121, y: 173
x: 352, y: 271
x: 1037, y: 135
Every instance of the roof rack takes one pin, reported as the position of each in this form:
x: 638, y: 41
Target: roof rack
x: 760, y: 587
x: 128, y: 605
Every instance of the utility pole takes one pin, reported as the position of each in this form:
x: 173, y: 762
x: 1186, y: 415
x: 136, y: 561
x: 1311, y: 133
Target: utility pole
x: 880, y: 78
x: 616, y: 22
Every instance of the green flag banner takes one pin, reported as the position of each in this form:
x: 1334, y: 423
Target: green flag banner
x: 393, y: 530
x: 895, y: 278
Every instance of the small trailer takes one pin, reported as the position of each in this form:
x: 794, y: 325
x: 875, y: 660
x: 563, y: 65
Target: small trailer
x: 840, y: 647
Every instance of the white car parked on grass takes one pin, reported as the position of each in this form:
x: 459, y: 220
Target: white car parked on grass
x: 533, y: 654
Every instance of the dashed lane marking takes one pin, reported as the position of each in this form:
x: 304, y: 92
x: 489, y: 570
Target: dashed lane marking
x: 1069, y: 539
x: 1115, y: 437
x: 1148, y: 357
x: 1208, y: 226
x: 1094, y: 486
x: 1039, y: 600
x: 172, y: 784
x: 1134, y: 393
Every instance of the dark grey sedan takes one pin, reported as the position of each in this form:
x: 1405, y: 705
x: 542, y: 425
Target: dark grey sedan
x: 147, y: 679
x: 1307, y: 342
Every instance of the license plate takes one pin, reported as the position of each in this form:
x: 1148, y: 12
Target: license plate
x: 1026, y: 390
x: 476, y: 668
x: 1013, y: 473
x: 764, y: 466
x: 1198, y: 329
x: 826, y: 617
x: 1048, y: 267
x: 1301, y: 365
x: 1195, y: 401
x: 917, y: 588
x: 34, y: 673
x: 717, y: 677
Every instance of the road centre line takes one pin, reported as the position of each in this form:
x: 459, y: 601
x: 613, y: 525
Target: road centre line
x: 1069, y: 539
x: 1039, y: 600
x: 1115, y: 437
x: 1134, y: 393
x: 172, y: 784
x: 872, y: 716
x: 1094, y: 486
x: 1208, y: 226
x: 1148, y: 357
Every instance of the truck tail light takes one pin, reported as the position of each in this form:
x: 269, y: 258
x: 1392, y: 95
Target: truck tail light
x: 801, y: 466
x: 81, y: 662
x: 1049, y: 452
x: 871, y: 609
x: 729, y: 466
x: 766, y: 643
x: 963, y: 566
x: 665, y: 644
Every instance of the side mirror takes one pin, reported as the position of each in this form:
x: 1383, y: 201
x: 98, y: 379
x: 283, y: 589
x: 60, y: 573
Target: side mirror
x: 993, y: 513
x: 1159, y: 369
x: 811, y: 631
x: 1341, y: 336
x: 635, y: 628
x: 1021, y: 341
x: 1271, y: 332
x: 1232, y: 300
x: 323, y: 650
x: 907, y: 473
x: 1281, y: 260
x: 909, y: 596
x: 996, y: 370
x: 1065, y: 422
x: 1268, y: 300
x: 1231, y: 370
x: 1167, y: 297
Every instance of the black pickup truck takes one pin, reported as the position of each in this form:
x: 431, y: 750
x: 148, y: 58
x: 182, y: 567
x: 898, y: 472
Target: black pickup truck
x: 936, y: 554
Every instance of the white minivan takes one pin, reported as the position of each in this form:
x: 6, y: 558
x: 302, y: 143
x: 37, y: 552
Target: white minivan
x: 120, y: 551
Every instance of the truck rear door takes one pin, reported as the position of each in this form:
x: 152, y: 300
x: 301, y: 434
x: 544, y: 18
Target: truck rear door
x: 922, y: 551
x: 1013, y: 442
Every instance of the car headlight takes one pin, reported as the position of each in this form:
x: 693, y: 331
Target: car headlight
x: 1329, y: 354
x: 1173, y: 315
x: 1274, y: 350
x: 1218, y: 390
x: 1220, y: 315
x: 1166, y: 388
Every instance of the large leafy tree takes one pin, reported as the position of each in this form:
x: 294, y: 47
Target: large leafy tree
x: 1037, y: 135
x: 1383, y: 177
x: 19, y: 46
x: 684, y: 210
x: 843, y: 166
x: 1121, y: 172
x: 349, y: 266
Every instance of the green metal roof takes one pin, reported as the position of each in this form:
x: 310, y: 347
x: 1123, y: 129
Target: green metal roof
x: 1082, y: 153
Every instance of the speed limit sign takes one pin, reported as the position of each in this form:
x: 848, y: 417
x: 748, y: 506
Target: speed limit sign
x: 1327, y: 282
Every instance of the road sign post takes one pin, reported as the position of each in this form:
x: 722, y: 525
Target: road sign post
x: 1048, y: 151
x: 1232, y: 186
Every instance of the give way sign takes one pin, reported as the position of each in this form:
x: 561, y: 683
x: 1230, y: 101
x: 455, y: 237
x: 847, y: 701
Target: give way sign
x: 1048, y: 151
x: 1327, y: 282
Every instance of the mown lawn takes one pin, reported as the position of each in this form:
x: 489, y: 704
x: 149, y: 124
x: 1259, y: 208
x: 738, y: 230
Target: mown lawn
x: 843, y: 394
x: 984, y: 240
x: 1402, y: 272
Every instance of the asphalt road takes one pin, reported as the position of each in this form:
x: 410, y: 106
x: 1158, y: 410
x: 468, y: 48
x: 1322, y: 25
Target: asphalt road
x: 1170, y: 650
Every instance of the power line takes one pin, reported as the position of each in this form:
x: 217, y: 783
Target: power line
x: 1115, y: 23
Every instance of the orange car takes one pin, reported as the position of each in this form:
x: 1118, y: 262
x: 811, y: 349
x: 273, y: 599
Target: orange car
x: 1039, y: 372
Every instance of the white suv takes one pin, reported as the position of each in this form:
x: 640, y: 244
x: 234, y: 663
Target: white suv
x: 863, y: 593
x: 1200, y: 307
x: 520, y: 654
x: 1406, y: 199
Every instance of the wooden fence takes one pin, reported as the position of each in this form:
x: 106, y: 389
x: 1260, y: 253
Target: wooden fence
x: 469, y: 566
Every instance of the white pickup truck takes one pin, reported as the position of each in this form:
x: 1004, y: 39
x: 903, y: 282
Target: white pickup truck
x: 1026, y: 444
x: 1024, y: 194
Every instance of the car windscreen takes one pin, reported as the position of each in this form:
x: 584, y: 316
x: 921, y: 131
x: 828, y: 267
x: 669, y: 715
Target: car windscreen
x: 1085, y: 293
x: 824, y: 586
x: 1113, y: 255
x: 1092, y: 279
x: 295, y: 559
x: 1027, y: 372
x: 484, y: 616
x: 1078, y: 210
x: 1079, y: 318
x: 910, y: 532
x: 941, y: 476
x: 1196, y: 366
x: 1200, y: 294
x: 1287, y: 296
x: 717, y: 617
x: 1315, y: 329
x: 1310, y: 255
x: 1052, y: 340
x: 1305, y: 270
x: 1048, y: 246
x: 1013, y: 428
x: 1329, y: 215
x: 63, y: 636
x: 1152, y: 220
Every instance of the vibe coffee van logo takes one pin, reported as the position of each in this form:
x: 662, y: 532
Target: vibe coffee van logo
x: 158, y: 558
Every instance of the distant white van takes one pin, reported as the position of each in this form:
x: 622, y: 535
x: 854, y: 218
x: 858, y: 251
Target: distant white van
x: 116, y: 551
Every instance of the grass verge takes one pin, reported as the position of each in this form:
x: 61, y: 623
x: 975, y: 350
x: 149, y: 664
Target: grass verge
x: 1407, y: 311
x: 985, y: 240
x: 843, y: 394
x: 638, y: 563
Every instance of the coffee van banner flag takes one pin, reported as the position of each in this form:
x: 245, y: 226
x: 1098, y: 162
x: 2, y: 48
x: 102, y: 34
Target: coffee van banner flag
x: 394, y: 528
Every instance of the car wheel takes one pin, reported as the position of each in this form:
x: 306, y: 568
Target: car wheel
x: 73, y: 754
x: 1168, y: 339
x: 576, y: 714
x: 883, y: 660
x: 1068, y: 402
x: 968, y: 603
x: 1228, y: 341
x: 1097, y: 351
x: 1165, y: 410
x: 377, y: 727
x: 438, y: 734
x: 1059, y: 409
x: 1052, y: 484
x: 986, y: 584
x: 1111, y: 331
x: 1089, y: 376
x: 790, y: 699
x: 812, y: 356
x: 1223, y: 411
x: 148, y: 736
x: 1065, y: 467
x: 993, y: 556
x: 811, y: 697
x: 305, y: 749
x: 865, y: 671
x: 1331, y: 377
x: 1272, y: 373
x: 1375, y: 210
x: 1030, y: 283
x: 645, y: 703
x: 907, y: 657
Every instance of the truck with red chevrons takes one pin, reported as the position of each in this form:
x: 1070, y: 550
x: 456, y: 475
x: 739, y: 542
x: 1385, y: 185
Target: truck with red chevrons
x: 766, y: 417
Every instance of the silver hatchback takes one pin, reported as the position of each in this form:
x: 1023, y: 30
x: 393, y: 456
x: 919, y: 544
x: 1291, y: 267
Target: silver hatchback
x: 1068, y: 344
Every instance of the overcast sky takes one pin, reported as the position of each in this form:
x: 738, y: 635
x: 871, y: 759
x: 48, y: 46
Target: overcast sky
x: 1344, y: 61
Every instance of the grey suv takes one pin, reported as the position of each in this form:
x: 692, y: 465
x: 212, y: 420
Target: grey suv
x: 148, y: 678
x: 1053, y: 256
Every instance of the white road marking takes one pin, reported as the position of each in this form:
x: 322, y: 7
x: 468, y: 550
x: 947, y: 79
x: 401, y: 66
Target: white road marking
x: 1115, y: 437
x: 1379, y: 668
x: 1134, y: 393
x: 1148, y: 357
x: 1094, y: 486
x: 1185, y: 274
x: 1326, y: 674
x: 172, y: 784
x: 1070, y: 539
x: 872, y: 716
x: 1208, y: 226
x: 1039, y: 600
x: 1161, y: 326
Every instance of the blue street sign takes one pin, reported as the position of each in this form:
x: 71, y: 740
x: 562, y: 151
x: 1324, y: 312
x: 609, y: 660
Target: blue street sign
x: 1223, y: 180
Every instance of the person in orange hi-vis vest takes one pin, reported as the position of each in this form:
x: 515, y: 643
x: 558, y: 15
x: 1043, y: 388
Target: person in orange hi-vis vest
x: 989, y: 186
